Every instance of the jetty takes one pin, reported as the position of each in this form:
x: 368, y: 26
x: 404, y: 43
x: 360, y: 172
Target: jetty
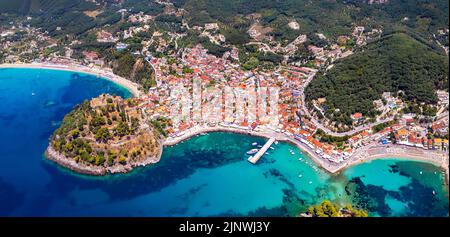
x: 255, y: 158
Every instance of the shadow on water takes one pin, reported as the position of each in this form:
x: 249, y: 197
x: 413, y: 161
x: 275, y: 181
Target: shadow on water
x: 417, y: 198
x: 10, y: 198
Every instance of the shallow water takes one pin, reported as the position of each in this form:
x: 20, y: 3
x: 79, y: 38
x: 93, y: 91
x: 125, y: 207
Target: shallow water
x: 207, y: 175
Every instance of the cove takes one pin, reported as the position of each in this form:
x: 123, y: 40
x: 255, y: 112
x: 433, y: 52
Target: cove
x: 207, y: 175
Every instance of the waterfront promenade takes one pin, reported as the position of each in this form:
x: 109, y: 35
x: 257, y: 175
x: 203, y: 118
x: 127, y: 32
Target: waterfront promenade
x: 361, y: 155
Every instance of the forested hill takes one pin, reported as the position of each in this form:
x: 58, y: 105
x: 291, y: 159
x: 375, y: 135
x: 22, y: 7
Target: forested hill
x: 325, y: 16
x: 398, y: 62
x: 74, y: 16
x: 330, y: 17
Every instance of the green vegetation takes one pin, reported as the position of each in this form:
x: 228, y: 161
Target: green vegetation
x: 325, y: 209
x: 136, y: 69
x: 328, y: 209
x: 69, y: 15
x: 326, y: 138
x: 160, y: 124
x: 87, y: 131
x: 397, y: 62
x: 382, y: 126
x: 250, y: 58
x: 331, y: 18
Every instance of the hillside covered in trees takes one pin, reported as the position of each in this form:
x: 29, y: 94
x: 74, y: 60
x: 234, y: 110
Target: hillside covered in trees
x: 395, y: 62
x: 329, y: 209
x: 332, y: 18
x: 60, y: 17
x: 106, y: 134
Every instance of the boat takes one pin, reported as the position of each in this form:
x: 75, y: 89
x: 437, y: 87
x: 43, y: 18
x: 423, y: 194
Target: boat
x: 33, y: 94
x: 272, y: 148
x: 421, y: 172
x: 259, y: 146
x: 310, y: 182
x: 252, y: 151
x: 254, y: 144
x: 300, y: 175
x: 276, y: 142
x: 434, y: 192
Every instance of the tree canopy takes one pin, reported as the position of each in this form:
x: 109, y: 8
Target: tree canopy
x: 396, y: 62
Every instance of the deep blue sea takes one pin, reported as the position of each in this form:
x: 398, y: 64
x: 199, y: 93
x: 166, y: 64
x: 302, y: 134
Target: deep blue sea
x: 207, y: 175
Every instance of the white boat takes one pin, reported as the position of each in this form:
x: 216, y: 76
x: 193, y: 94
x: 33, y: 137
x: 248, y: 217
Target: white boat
x: 300, y: 175
x: 252, y: 151
x: 421, y: 172
x: 254, y: 144
x: 272, y: 148
x: 310, y: 182
x: 33, y: 94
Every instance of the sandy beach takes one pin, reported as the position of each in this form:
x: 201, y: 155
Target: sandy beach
x: 132, y: 87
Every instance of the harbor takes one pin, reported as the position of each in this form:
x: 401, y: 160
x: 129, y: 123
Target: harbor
x: 262, y: 151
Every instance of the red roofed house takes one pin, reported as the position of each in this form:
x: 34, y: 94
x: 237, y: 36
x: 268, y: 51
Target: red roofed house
x: 357, y: 118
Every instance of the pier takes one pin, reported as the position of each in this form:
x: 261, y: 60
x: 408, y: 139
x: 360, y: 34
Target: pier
x: 255, y: 158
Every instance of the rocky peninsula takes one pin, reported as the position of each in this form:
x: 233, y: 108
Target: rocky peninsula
x: 105, y: 135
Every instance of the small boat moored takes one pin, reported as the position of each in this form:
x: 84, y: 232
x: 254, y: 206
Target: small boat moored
x: 252, y: 151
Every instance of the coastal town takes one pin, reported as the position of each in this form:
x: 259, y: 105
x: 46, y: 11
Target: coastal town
x: 224, y: 108
x: 198, y: 92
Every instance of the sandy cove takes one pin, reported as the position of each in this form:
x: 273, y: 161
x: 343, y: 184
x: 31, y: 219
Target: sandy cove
x: 132, y: 87
x: 368, y: 153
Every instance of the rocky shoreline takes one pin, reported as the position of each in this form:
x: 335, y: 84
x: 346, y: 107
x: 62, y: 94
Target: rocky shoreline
x: 53, y: 155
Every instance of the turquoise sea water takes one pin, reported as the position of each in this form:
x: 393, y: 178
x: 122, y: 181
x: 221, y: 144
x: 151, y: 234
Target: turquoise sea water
x: 207, y: 175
